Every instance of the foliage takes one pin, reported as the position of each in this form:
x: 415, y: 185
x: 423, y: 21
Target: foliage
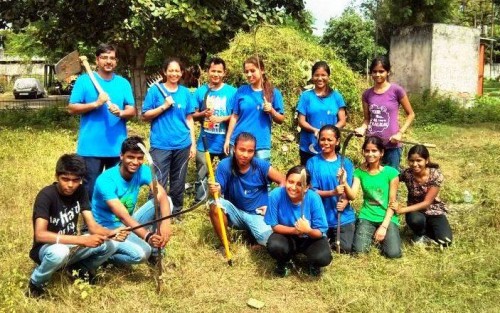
x: 53, y: 116
x: 433, y: 108
x: 353, y: 38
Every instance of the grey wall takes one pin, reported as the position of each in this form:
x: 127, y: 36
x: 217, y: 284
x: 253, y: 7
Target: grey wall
x: 437, y: 57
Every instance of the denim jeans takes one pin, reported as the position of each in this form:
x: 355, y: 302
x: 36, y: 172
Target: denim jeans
x: 346, y: 237
x: 95, y: 166
x: 201, y: 185
x: 55, y: 256
x: 245, y: 221
x: 392, y: 157
x: 134, y: 249
x: 172, y: 165
x: 363, y: 238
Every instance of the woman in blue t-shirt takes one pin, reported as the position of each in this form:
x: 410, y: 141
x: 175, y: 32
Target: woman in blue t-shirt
x: 255, y: 107
x: 325, y: 168
x: 169, y: 107
x: 318, y: 107
x: 298, y: 220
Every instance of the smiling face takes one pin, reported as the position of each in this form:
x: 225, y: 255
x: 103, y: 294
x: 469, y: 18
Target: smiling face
x: 106, y: 61
x: 379, y: 74
x: 216, y: 74
x: 320, y: 78
x: 173, y: 72
x: 417, y: 163
x: 68, y: 183
x: 253, y: 74
x: 294, y: 187
x: 328, y: 141
x: 372, y: 154
x: 130, y: 162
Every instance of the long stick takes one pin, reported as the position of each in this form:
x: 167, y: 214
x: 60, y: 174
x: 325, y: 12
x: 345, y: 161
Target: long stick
x: 303, y: 182
x: 86, y: 65
x: 211, y: 178
x: 342, y: 196
x: 406, y: 142
x: 159, y: 264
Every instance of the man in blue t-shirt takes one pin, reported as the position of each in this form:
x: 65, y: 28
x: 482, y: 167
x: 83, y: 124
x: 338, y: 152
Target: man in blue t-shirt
x: 102, y: 128
x: 114, y: 200
x: 242, y: 180
x: 213, y: 110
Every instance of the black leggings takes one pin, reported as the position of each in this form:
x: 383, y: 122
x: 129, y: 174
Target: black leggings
x: 435, y: 227
x: 282, y: 248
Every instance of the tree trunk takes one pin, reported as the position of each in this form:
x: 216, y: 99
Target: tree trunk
x: 136, y: 58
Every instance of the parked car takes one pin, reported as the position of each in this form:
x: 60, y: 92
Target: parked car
x: 29, y: 87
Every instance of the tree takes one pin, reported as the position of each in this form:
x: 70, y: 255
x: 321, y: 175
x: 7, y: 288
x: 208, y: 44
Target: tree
x: 135, y: 26
x: 353, y: 38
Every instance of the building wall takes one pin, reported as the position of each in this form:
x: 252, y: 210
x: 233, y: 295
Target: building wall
x: 436, y: 57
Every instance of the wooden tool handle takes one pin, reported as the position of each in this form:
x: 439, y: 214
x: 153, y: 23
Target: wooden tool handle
x: 86, y: 65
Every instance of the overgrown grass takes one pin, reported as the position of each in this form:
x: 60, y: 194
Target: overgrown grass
x: 464, y: 278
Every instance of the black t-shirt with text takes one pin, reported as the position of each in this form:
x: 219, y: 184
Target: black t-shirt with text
x: 60, y: 211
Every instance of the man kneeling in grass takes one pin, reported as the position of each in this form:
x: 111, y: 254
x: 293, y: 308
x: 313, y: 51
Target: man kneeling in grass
x: 115, y: 198
x: 57, y: 242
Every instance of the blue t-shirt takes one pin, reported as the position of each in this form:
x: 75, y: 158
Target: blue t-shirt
x: 246, y: 191
x: 318, y: 112
x: 324, y: 177
x: 101, y: 133
x: 248, y: 105
x: 220, y: 102
x: 111, y: 185
x: 169, y: 130
x: 281, y: 210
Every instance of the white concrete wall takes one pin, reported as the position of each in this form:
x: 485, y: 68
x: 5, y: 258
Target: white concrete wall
x: 410, y: 57
x: 437, y: 57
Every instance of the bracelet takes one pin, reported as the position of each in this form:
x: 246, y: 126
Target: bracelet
x: 148, y: 236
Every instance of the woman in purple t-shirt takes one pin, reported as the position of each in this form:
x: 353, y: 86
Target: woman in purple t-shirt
x: 381, y: 110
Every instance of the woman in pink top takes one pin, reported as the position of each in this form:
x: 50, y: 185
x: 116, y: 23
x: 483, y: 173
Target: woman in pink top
x: 381, y: 111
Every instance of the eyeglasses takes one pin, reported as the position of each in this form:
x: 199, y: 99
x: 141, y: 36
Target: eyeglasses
x: 105, y: 58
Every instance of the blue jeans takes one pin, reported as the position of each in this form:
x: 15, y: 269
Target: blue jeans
x: 172, y: 165
x: 201, y: 186
x: 363, y: 238
x: 95, y: 166
x: 134, y: 249
x: 55, y: 256
x: 392, y: 157
x: 245, y: 221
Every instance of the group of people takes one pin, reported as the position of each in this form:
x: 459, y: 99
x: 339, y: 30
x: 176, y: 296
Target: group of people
x: 303, y: 215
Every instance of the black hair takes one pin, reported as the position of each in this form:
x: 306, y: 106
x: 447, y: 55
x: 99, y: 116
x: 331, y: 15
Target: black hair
x: 297, y: 169
x: 377, y: 141
x: 103, y: 48
x: 382, y: 60
x: 71, y: 164
x: 216, y: 60
x: 323, y: 65
x: 243, y: 136
x: 336, y: 131
x: 267, y: 86
x: 131, y: 144
x: 423, y: 152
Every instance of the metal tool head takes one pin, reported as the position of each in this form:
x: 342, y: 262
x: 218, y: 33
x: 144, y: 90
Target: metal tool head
x: 68, y: 66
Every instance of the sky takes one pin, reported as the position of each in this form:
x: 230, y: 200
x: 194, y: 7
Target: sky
x: 323, y: 10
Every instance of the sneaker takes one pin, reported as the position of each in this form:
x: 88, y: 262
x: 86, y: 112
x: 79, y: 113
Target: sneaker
x: 88, y: 276
x: 34, y: 291
x: 314, y: 271
x: 421, y: 240
x: 283, y: 269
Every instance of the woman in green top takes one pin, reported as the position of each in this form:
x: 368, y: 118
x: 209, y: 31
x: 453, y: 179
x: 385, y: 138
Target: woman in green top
x: 377, y: 220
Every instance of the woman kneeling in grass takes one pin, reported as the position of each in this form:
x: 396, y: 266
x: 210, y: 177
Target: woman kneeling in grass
x: 376, y: 218
x: 425, y: 212
x: 297, y: 217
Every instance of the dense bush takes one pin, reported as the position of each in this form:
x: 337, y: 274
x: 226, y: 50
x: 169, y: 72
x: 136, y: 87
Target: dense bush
x: 433, y: 108
x: 53, y: 116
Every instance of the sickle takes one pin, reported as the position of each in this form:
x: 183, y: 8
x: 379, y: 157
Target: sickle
x: 341, y: 197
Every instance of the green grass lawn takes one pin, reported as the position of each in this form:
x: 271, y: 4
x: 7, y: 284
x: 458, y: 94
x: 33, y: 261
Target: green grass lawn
x: 464, y: 278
